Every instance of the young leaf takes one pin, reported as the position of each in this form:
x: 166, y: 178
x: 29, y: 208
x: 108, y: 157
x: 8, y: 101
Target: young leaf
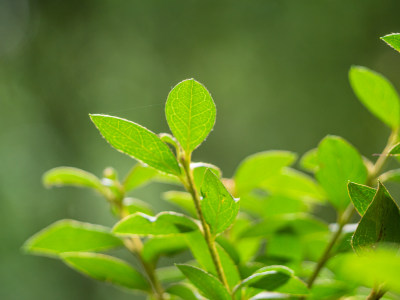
x: 395, y: 149
x: 165, y: 223
x: 392, y: 40
x: 181, y: 290
x: 379, y: 224
x: 70, y: 236
x: 138, y: 176
x: 391, y: 176
x: 133, y: 205
x: 377, y: 94
x: 138, y: 142
x: 68, y: 176
x: 218, y: 206
x: 155, y: 247
x: 339, y: 162
x: 361, y: 196
x: 309, y: 160
x: 258, y: 167
x: 106, y: 268
x: 182, y: 199
x: 208, y: 285
x: 190, y: 113
x: 275, y: 278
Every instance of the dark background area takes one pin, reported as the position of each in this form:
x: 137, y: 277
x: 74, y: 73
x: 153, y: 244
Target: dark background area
x: 277, y: 70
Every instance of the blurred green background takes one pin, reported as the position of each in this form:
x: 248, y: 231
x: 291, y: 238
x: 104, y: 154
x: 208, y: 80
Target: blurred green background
x: 277, y: 70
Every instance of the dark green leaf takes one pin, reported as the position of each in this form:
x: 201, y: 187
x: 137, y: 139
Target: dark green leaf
x: 339, y: 162
x: 190, y: 113
x: 165, y: 223
x: 361, y: 196
x: 181, y: 290
x: 69, y: 236
x: 155, y: 247
x: 275, y: 278
x: 138, y: 176
x: 379, y: 224
x: 68, y: 176
x: 138, y: 142
x: 309, y: 161
x: 377, y: 94
x: 106, y: 268
x: 392, y: 40
x: 256, y: 168
x: 182, y: 199
x: 218, y: 206
x: 207, y: 284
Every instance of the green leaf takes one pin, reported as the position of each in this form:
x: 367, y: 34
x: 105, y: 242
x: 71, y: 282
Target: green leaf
x: 182, y: 199
x: 190, y: 113
x: 377, y: 94
x: 198, y: 246
x: 379, y: 224
x: 138, y: 176
x: 165, y: 223
x: 256, y: 168
x: 68, y: 176
x: 138, y: 142
x: 361, y: 196
x: 309, y: 161
x: 155, y: 247
x: 70, y: 236
x: 395, y: 150
x: 275, y: 278
x: 199, y: 171
x: 218, y: 206
x: 339, y: 162
x: 392, y: 40
x: 208, y: 285
x: 228, y: 265
x: 278, y: 205
x: 391, y: 176
x: 133, y: 205
x: 378, y: 266
x: 181, y: 290
x: 106, y: 268
x: 294, y: 184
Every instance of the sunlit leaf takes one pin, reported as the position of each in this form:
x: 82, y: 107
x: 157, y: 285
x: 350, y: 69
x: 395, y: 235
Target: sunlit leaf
x: 190, y: 113
x: 157, y: 246
x: 392, y: 40
x: 138, y: 142
x: 182, y: 199
x: 309, y: 161
x: 181, y: 290
x: 138, y: 176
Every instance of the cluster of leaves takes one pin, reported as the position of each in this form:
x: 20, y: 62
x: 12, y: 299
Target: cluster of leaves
x: 273, y: 246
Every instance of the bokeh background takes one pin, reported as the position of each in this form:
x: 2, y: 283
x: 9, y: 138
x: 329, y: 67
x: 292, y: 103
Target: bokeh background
x: 277, y: 70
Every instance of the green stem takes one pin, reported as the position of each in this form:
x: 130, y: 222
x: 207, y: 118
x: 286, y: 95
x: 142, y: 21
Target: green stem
x: 376, y: 293
x: 346, y: 216
x: 210, y: 239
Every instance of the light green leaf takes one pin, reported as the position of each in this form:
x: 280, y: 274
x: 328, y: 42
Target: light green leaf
x: 68, y: 176
x: 190, y: 113
x: 309, y: 161
x: 275, y: 278
x: 155, y: 247
x: 208, y: 285
x: 181, y: 290
x: 69, y: 236
x: 294, y: 184
x: 133, y: 205
x: 339, y: 162
x: 218, y: 206
x: 138, y: 176
x: 379, y: 266
x: 165, y: 223
x: 229, y: 248
x: 377, y: 94
x: 169, y: 274
x: 230, y: 269
x: 392, y: 40
x: 182, y: 199
x: 361, y: 196
x: 106, y: 268
x: 391, y: 176
x: 395, y: 150
x: 198, y: 246
x: 278, y: 205
x: 138, y: 142
x: 199, y: 170
x: 256, y: 168
x: 379, y: 224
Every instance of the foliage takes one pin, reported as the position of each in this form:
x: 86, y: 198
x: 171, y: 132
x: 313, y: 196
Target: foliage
x: 252, y: 236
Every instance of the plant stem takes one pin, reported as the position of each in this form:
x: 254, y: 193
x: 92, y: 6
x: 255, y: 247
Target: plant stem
x: 210, y: 239
x: 376, y: 293
x: 346, y: 216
